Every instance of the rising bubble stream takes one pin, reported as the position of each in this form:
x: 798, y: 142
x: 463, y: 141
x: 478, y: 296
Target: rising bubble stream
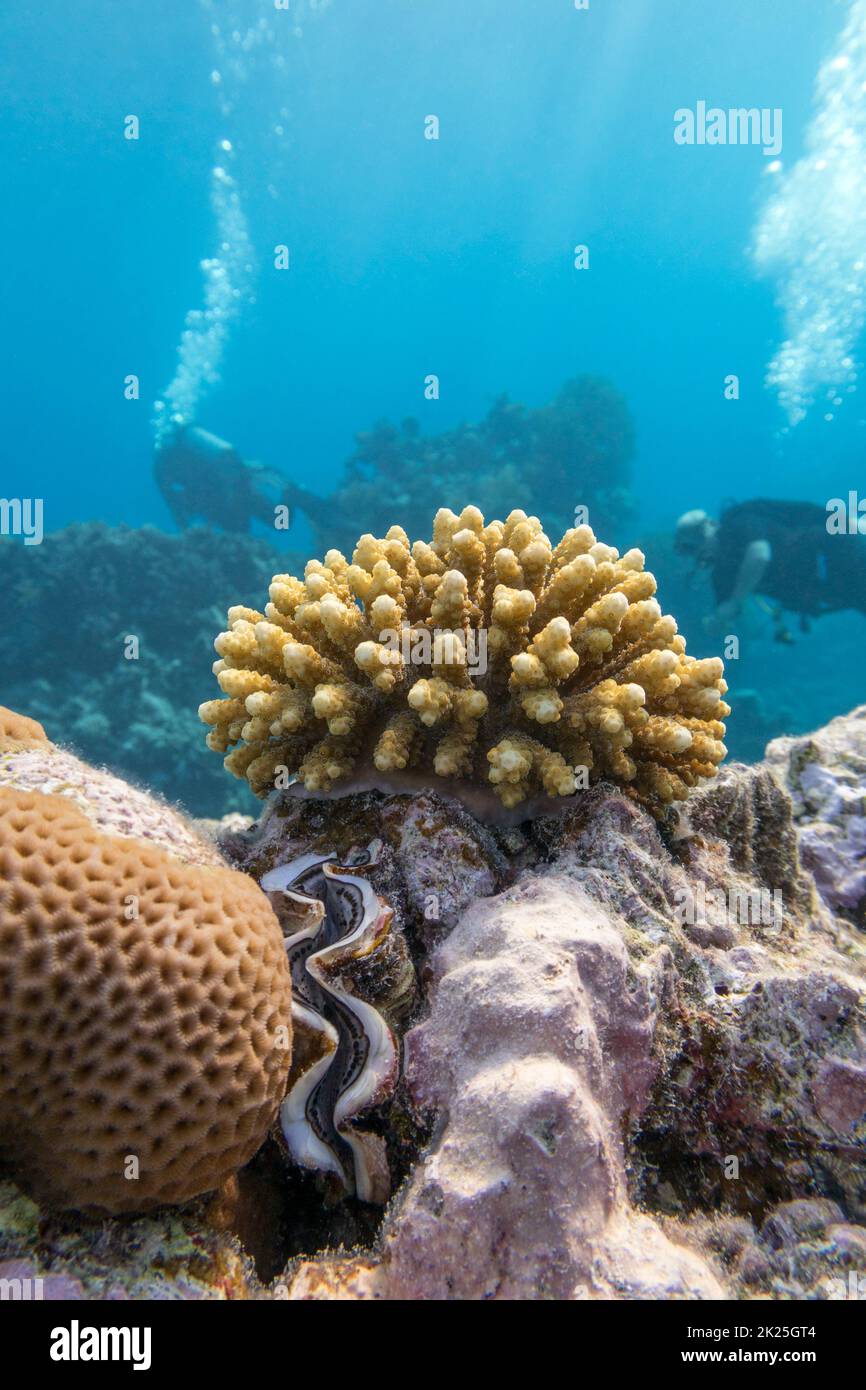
x: 811, y: 237
x: 245, y: 42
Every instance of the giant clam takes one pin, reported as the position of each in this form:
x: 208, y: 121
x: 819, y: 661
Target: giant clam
x: 353, y: 982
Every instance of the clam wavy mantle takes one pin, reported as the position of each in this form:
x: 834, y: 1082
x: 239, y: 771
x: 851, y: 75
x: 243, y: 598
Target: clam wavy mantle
x: 352, y: 979
x: 486, y: 660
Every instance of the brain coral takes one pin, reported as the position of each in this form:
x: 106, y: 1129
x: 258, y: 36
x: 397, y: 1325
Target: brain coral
x: 145, y: 1005
x: 486, y: 656
x: 17, y: 731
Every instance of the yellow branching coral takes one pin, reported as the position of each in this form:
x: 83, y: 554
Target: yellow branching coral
x: 485, y: 656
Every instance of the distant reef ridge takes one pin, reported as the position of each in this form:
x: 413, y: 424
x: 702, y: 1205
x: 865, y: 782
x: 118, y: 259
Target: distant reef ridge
x: 112, y: 645
x: 574, y: 452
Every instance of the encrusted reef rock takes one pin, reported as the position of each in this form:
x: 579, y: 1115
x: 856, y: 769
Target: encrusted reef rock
x: 435, y: 858
x: 145, y: 997
x: 536, y: 1050
x: 825, y: 774
x: 172, y: 1254
x: 643, y: 1066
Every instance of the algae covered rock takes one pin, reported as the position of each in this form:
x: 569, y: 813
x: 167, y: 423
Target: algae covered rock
x: 170, y: 1255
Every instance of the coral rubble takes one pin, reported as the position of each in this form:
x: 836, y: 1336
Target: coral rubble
x: 145, y: 997
x: 487, y: 661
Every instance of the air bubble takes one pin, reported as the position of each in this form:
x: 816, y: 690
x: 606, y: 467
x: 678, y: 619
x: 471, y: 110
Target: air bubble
x: 810, y: 234
x: 237, y: 50
x: 205, y: 332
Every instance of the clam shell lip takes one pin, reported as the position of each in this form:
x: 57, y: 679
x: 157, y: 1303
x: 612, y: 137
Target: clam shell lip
x: 357, y: 1065
x: 308, y: 1150
x: 281, y: 878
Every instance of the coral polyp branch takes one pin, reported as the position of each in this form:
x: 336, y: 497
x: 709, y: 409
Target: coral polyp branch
x: 484, y: 658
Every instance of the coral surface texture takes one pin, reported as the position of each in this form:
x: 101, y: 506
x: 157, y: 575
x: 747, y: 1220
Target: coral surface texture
x: 145, y: 998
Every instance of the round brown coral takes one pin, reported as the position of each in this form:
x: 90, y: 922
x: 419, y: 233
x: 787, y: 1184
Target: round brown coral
x: 486, y: 656
x: 18, y: 731
x: 144, y: 1013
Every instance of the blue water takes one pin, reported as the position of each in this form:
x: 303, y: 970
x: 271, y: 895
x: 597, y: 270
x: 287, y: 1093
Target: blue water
x: 408, y: 256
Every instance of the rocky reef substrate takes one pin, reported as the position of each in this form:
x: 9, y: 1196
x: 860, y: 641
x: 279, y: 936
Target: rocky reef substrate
x: 636, y: 1069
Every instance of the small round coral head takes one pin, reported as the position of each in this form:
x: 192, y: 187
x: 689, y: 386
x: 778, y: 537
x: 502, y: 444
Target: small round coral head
x: 526, y: 660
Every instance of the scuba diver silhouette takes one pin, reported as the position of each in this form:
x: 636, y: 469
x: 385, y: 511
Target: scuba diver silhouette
x: 204, y: 478
x: 777, y: 550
